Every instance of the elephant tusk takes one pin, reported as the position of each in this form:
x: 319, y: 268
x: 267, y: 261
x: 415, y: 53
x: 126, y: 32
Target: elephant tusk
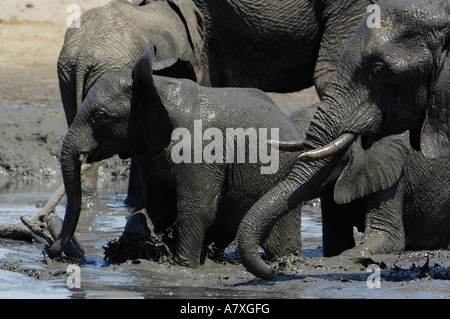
x: 290, y: 146
x: 339, y: 144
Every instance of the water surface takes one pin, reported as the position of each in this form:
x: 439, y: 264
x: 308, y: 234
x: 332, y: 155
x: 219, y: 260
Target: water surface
x: 32, y: 278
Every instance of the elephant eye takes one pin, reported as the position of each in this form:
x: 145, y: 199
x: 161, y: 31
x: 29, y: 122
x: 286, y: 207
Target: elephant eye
x: 99, y: 117
x: 377, y: 69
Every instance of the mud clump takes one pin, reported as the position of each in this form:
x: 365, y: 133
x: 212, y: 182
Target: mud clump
x: 138, y: 241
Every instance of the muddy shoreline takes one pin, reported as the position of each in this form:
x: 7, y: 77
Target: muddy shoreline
x: 32, y: 126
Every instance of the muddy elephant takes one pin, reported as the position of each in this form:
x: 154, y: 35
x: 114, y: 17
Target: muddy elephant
x: 271, y: 45
x: 203, y: 188
x: 389, y: 79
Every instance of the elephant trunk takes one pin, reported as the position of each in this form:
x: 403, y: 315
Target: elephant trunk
x: 71, y: 158
x: 304, y: 183
x: 256, y: 225
x: 330, y: 134
x: 307, y: 179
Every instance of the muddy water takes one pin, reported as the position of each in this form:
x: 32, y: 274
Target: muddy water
x: 24, y: 274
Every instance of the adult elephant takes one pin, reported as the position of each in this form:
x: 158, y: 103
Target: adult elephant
x: 389, y: 79
x: 203, y: 188
x: 278, y: 46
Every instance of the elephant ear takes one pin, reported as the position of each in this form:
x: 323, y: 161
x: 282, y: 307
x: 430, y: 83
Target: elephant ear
x: 147, y: 108
x: 175, y: 68
x: 372, y: 170
x: 435, y: 136
x: 193, y: 21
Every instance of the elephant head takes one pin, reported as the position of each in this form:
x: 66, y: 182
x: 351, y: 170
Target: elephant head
x: 389, y: 79
x: 120, y: 114
x: 114, y: 36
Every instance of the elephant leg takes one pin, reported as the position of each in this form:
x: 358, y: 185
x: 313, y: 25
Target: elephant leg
x: 191, y: 227
x: 285, y: 237
x: 384, y: 231
x: 136, y: 188
x: 197, y: 202
x: 90, y: 197
x: 337, y: 226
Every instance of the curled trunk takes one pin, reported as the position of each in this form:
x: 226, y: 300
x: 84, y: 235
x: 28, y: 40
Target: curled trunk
x: 306, y: 181
x: 256, y: 226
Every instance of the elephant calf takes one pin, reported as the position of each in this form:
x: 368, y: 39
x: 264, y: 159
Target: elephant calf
x: 202, y: 152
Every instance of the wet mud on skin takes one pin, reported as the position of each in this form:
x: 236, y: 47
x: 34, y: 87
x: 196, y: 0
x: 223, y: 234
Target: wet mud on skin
x: 32, y: 126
